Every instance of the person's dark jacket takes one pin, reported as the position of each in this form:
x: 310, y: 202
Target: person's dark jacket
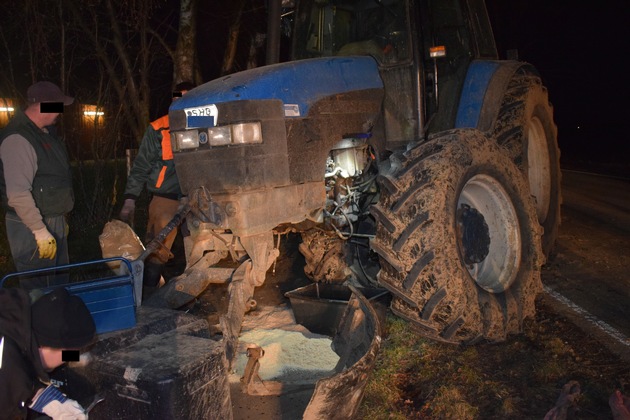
x: 21, y: 370
x: 154, y: 166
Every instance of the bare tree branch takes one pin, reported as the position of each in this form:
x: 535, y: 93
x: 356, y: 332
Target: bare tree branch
x: 90, y: 32
x: 139, y: 106
x: 167, y: 48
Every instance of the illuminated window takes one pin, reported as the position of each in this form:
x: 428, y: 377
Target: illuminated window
x: 7, y: 110
x: 93, y: 114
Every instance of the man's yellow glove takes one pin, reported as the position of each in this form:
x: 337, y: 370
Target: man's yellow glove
x: 46, y: 243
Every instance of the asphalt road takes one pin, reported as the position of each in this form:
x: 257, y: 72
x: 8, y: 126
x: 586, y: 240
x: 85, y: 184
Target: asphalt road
x: 588, y: 279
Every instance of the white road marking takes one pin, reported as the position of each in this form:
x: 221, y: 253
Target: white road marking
x: 610, y: 331
x: 619, y: 177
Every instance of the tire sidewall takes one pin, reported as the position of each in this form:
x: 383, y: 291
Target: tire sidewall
x: 512, y: 132
x: 488, y: 160
x: 538, y: 107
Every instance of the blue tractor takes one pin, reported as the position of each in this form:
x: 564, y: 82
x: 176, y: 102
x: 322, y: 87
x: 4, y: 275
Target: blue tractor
x: 400, y: 148
x: 405, y: 155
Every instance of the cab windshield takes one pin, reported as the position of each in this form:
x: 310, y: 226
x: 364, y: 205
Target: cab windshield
x: 325, y: 28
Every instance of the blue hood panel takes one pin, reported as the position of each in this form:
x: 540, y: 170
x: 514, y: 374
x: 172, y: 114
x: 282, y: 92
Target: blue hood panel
x: 298, y: 84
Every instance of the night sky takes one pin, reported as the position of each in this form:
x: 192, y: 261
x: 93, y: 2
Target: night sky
x: 579, y: 49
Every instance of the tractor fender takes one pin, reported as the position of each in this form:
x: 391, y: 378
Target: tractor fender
x: 483, y: 90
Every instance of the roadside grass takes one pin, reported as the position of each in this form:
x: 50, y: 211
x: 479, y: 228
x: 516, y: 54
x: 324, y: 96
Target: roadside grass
x: 417, y: 378
x: 384, y: 393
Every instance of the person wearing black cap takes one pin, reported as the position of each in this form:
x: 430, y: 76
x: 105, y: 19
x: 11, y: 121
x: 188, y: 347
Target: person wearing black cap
x: 36, y: 182
x: 33, y: 338
x: 154, y: 168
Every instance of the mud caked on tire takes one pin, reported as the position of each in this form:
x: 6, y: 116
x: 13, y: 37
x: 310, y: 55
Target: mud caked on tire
x: 525, y: 128
x: 458, y: 239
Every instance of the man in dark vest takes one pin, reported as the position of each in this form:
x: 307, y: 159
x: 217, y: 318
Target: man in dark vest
x: 154, y: 168
x: 36, y: 183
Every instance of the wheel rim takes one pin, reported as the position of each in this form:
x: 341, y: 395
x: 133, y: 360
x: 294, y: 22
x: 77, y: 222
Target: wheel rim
x: 538, y: 167
x: 494, y: 262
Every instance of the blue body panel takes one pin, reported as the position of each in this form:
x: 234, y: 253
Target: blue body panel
x: 473, y: 92
x: 298, y: 84
x: 111, y: 303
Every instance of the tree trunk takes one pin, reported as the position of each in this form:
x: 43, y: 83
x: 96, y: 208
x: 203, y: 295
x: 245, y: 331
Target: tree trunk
x: 185, y: 54
x: 258, y: 41
x: 230, y: 50
x: 133, y: 116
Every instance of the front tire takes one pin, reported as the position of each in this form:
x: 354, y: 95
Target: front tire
x: 458, y: 239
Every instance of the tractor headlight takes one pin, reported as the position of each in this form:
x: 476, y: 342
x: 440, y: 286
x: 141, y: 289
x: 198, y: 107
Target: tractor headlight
x: 246, y: 133
x: 242, y: 133
x: 187, y: 139
x: 219, y: 136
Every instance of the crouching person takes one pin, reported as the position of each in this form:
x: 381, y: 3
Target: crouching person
x: 33, y: 338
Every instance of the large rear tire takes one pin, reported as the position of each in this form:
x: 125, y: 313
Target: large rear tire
x: 458, y: 239
x: 525, y: 128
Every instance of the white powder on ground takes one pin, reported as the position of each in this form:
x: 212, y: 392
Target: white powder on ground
x: 290, y: 356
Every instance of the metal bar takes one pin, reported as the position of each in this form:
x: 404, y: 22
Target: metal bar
x: 156, y: 242
x: 64, y: 267
x: 273, y: 32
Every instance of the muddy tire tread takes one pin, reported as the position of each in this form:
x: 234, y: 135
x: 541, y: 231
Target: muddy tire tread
x: 431, y: 287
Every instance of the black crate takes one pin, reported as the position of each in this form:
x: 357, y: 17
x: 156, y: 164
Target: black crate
x: 319, y: 307
x: 167, y: 367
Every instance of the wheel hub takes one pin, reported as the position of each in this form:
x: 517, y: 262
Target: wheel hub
x: 474, y: 234
x: 488, y: 234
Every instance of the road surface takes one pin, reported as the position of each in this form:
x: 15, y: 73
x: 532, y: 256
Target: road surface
x: 591, y: 266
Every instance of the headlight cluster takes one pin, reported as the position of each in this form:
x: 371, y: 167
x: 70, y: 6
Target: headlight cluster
x: 242, y: 133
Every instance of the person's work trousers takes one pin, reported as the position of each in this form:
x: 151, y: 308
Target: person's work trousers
x: 161, y: 211
x: 26, y: 254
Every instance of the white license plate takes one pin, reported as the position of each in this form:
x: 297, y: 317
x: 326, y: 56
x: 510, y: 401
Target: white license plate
x: 203, y: 111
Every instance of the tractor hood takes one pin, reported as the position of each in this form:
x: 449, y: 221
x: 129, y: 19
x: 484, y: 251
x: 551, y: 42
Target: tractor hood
x: 298, y: 84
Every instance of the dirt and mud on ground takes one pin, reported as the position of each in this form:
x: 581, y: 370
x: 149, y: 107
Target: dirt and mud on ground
x: 420, y: 378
